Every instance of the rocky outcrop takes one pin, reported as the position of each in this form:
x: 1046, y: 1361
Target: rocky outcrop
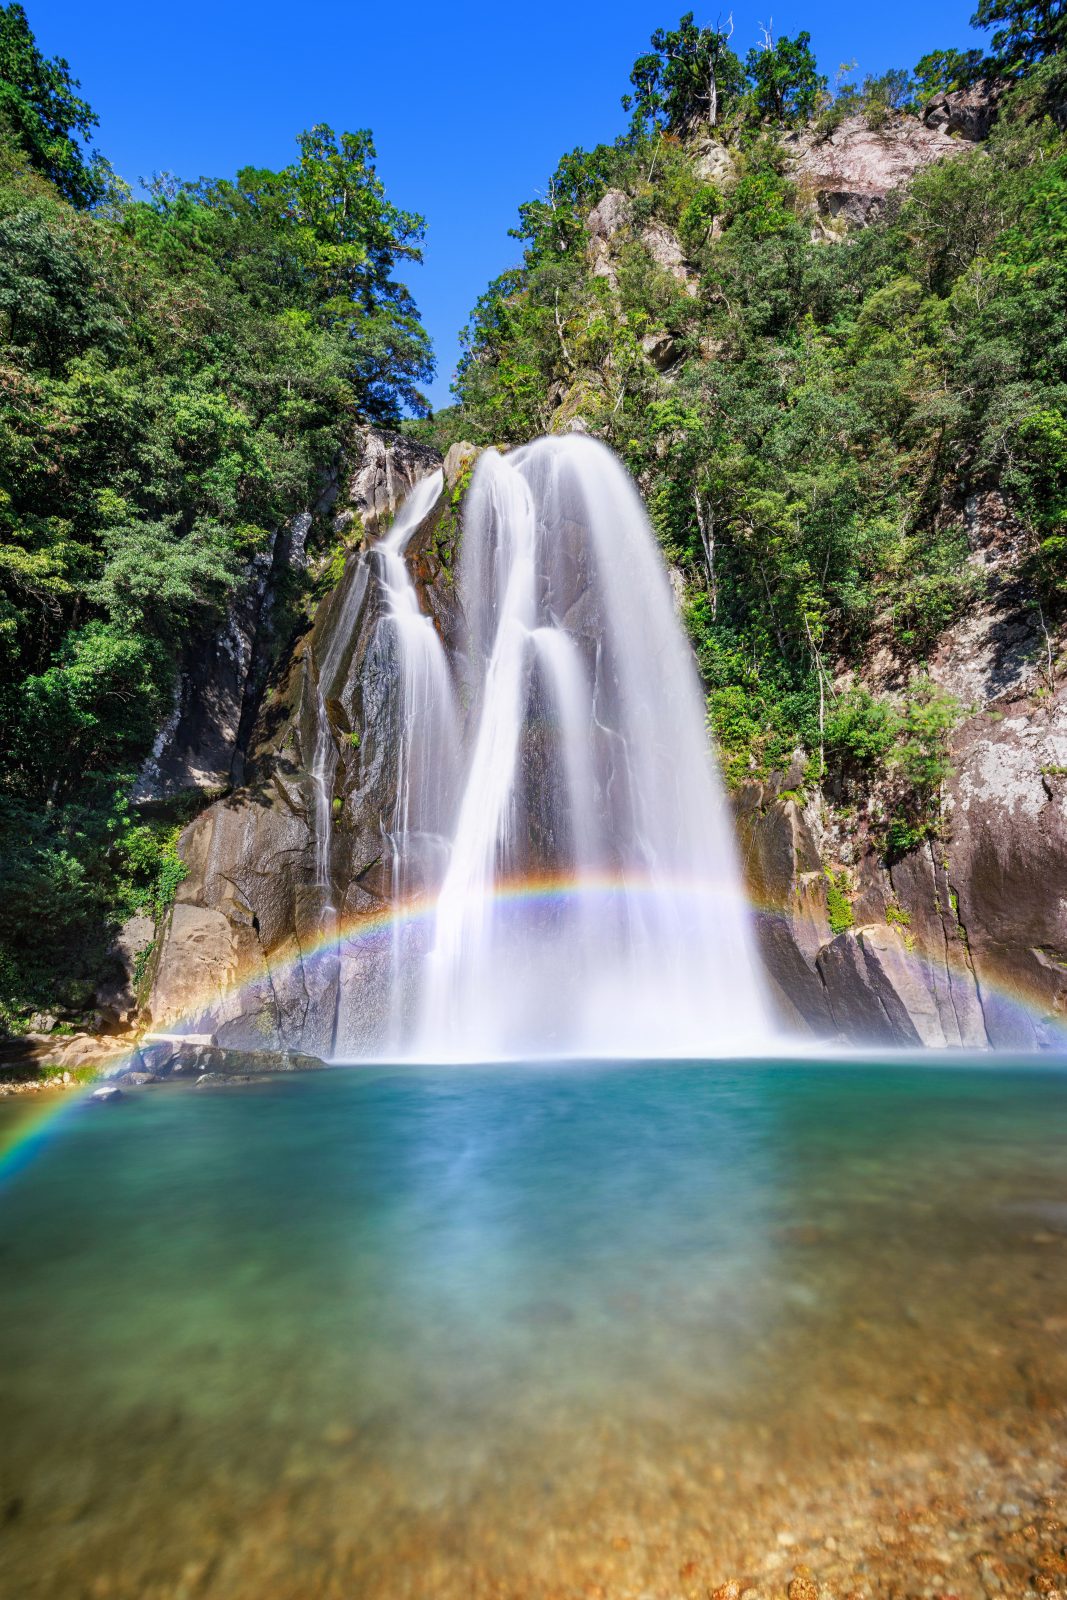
x: 898, y: 976
x: 964, y: 941
x: 116, y: 996
x: 612, y: 214
x: 968, y: 113
x: 200, y: 747
x: 849, y: 172
x: 203, y: 745
x: 1008, y: 849
x: 258, y: 947
x: 386, y: 468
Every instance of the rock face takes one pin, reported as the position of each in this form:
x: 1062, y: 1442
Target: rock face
x: 116, y: 998
x: 849, y: 173
x: 968, y: 113
x: 964, y: 941
x: 908, y: 981
x: 254, y: 949
x: 203, y: 745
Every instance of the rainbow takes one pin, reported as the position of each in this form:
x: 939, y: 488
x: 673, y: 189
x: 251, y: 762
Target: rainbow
x: 527, y: 895
x: 34, y: 1128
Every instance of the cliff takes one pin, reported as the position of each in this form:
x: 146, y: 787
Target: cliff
x: 251, y: 946
x: 791, y: 344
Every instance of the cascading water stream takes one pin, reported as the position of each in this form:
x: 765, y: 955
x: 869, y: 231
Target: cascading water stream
x: 559, y: 847
x: 592, y: 901
x: 426, y: 738
x: 325, y: 753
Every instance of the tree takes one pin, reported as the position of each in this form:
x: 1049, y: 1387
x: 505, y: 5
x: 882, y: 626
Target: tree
x: 47, y: 120
x: 786, y: 83
x: 690, y: 76
x: 941, y: 71
x: 348, y: 237
x: 1026, y: 31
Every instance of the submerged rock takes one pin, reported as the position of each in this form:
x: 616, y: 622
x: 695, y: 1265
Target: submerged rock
x: 166, y: 1059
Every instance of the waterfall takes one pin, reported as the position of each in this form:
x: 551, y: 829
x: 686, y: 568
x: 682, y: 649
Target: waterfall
x: 592, y: 901
x: 401, y: 603
x: 557, y: 805
x: 426, y: 739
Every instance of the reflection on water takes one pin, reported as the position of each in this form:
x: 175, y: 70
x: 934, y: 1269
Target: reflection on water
x: 536, y: 1331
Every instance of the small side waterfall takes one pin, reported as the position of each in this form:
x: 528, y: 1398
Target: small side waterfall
x: 325, y: 754
x: 426, y: 743
x: 558, y: 818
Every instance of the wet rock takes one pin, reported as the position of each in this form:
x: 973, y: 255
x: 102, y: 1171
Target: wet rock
x: 107, y: 1095
x: 242, y: 951
x: 166, y: 1059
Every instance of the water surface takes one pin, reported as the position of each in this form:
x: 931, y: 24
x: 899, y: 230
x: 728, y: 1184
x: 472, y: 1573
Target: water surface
x: 533, y: 1330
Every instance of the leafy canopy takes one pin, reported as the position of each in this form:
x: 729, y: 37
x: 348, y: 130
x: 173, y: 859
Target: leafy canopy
x: 786, y: 83
x: 690, y: 76
x: 47, y: 121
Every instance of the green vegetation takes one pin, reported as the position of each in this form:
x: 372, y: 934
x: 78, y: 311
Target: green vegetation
x: 838, y: 902
x: 830, y: 404
x: 175, y: 374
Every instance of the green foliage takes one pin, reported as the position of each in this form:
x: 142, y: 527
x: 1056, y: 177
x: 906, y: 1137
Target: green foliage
x: 690, y: 76
x: 786, y: 83
x: 928, y: 717
x: 892, y: 91
x: 860, y: 732
x: 941, y: 71
x: 176, y: 373
x: 1024, y: 32
x: 838, y: 903
x: 698, y: 216
x: 828, y: 413
x: 46, y: 121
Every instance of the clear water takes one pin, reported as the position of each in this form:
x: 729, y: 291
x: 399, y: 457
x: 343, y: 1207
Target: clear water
x: 535, y: 1330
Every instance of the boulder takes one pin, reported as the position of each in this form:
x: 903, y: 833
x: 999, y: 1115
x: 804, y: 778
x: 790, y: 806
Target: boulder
x: 663, y: 246
x: 715, y: 165
x: 161, y: 1060
x: 660, y: 349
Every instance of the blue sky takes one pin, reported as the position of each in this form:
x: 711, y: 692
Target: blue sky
x: 471, y: 106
